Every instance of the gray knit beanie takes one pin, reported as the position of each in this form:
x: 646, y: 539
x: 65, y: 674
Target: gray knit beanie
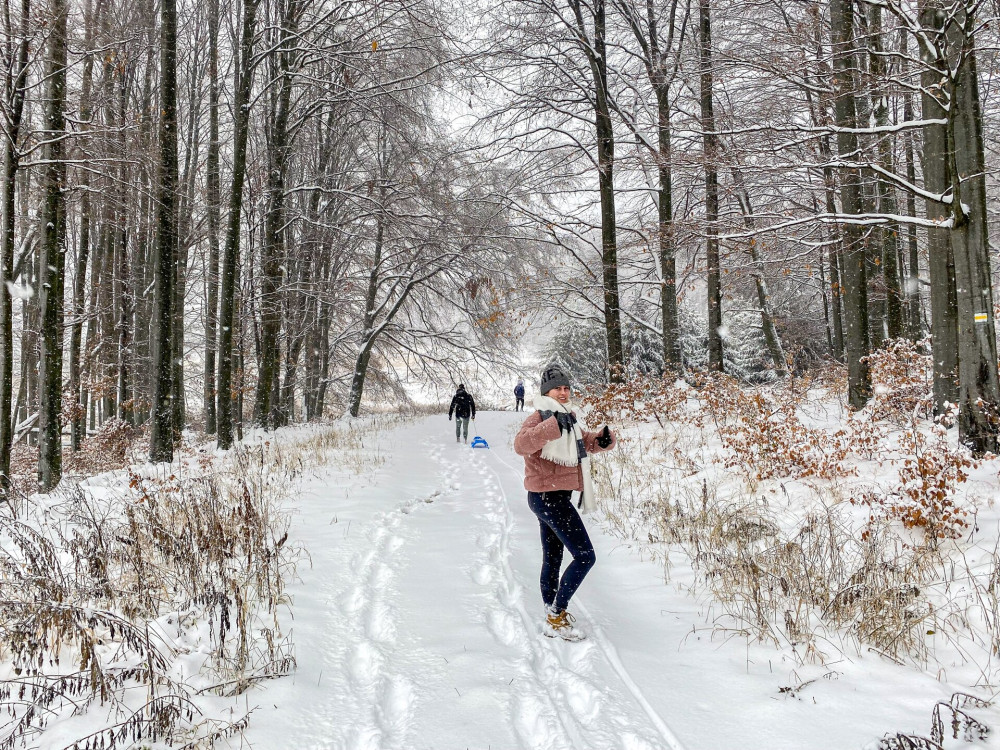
x: 553, y: 376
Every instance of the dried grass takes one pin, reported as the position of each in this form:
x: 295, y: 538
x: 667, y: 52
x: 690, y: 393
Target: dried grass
x: 107, y: 589
x: 809, y: 574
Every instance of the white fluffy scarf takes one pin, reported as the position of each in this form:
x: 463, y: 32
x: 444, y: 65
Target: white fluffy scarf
x: 563, y: 451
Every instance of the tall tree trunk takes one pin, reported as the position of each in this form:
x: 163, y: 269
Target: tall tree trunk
x: 978, y: 381
x: 887, y: 235
x: 854, y: 277
x: 596, y: 51
x: 821, y: 118
x: 368, y: 335
x: 912, y: 288
x: 54, y: 254
x: 212, y: 198
x: 78, y: 417
x: 161, y: 440
x: 771, y: 338
x: 941, y: 261
x: 142, y: 268
x: 667, y: 240
x: 273, y: 247
x: 125, y: 293
x: 78, y: 422
x: 184, y: 225
x: 656, y: 55
x: 711, y: 146
x: 15, y: 93
x: 835, y: 253
x: 244, y: 86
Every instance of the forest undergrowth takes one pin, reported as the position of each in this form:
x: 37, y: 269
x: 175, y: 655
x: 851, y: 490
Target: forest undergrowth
x: 819, y: 530
x: 138, y: 605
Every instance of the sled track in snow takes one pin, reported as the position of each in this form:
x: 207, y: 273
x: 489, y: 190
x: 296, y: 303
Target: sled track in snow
x: 590, y: 715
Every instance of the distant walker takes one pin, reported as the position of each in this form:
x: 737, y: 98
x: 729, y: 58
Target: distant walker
x: 463, y: 406
x: 519, y: 395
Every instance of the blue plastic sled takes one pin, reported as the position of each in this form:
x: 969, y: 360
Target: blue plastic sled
x: 478, y: 442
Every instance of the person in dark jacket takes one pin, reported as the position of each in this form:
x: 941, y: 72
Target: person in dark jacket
x: 463, y: 406
x: 519, y: 395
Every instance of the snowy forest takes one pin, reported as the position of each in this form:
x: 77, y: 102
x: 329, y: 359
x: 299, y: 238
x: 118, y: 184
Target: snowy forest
x: 249, y: 250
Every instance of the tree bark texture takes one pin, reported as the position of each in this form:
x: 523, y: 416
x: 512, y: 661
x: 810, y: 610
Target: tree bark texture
x: 273, y: 247
x: 711, y: 146
x: 941, y: 261
x: 54, y: 254
x: 854, y: 277
x: 595, y: 50
x: 164, y: 267
x: 212, y: 199
x: 227, y: 301
x: 15, y: 92
x: 979, y: 389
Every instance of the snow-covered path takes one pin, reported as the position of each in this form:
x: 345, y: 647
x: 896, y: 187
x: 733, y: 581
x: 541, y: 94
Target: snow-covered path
x: 417, y: 626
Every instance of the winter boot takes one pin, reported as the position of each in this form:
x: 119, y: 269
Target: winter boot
x: 559, y: 624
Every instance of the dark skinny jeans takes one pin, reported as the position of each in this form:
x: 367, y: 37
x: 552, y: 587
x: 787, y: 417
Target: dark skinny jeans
x: 561, y: 528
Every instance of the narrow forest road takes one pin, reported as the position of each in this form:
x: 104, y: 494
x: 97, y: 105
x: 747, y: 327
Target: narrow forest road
x: 417, y: 626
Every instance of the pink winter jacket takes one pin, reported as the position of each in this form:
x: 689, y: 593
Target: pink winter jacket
x: 541, y: 475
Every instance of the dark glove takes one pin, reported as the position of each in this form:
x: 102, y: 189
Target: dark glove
x: 604, y: 437
x: 566, y: 421
x: 449, y: 417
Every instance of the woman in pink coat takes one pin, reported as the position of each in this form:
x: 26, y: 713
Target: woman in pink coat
x: 555, y: 448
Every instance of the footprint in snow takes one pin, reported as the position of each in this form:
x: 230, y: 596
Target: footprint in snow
x: 396, y: 708
x: 364, y: 662
x: 583, y: 699
x: 484, y: 575
x: 503, y: 626
x: 379, y: 624
x: 535, y: 724
x: 353, y: 600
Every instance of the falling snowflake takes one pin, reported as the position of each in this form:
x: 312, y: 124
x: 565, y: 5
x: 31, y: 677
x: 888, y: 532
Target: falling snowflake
x: 20, y: 291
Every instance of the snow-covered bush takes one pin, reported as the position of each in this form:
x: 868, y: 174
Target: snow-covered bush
x: 902, y: 382
x: 930, y: 473
x: 810, y: 572
x: 153, y: 594
x: 764, y: 436
x: 640, y: 398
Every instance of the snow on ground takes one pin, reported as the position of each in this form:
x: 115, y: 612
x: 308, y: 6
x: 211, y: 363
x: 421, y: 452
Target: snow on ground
x: 417, y: 625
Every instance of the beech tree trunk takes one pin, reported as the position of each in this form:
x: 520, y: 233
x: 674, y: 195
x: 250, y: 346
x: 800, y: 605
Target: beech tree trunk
x: 15, y: 93
x: 53, y: 266
x: 212, y: 198
x: 272, y: 250
x: 887, y: 235
x: 227, y: 308
x: 854, y: 276
x: 595, y: 50
x: 978, y: 385
x: 941, y: 261
x: 771, y: 337
x: 711, y: 146
x: 161, y: 440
